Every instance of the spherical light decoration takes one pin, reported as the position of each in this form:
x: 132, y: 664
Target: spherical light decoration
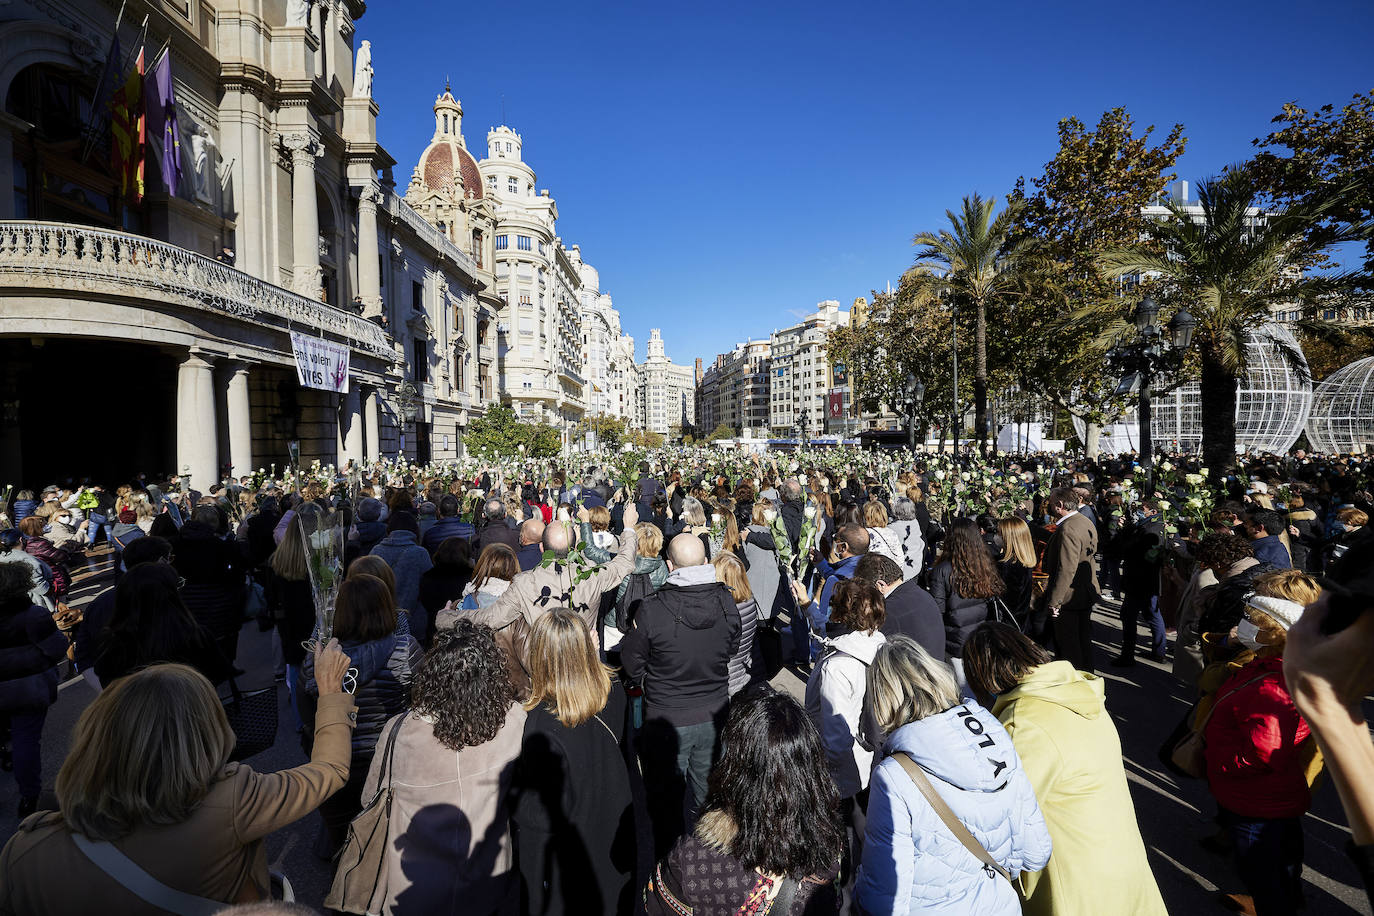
x: 1272, y: 404
x: 1342, y: 417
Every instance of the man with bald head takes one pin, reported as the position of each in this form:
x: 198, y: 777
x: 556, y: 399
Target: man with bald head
x: 532, y: 548
x: 851, y: 544
x: 679, y: 650
x: 569, y: 581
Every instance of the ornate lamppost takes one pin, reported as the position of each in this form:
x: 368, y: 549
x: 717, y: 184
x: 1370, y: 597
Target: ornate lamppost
x: 1152, y: 351
x: 915, y: 393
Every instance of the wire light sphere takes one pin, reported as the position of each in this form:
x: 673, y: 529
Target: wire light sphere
x: 1342, y: 417
x: 1273, y: 401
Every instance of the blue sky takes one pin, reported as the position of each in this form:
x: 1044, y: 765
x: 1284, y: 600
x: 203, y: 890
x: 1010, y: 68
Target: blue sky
x: 726, y: 166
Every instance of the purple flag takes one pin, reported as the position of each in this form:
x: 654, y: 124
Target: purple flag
x: 160, y: 109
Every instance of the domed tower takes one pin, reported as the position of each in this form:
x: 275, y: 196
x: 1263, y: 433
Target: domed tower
x: 446, y: 167
x: 446, y: 181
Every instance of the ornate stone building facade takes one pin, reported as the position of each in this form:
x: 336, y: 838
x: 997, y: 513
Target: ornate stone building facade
x: 539, y: 337
x: 801, y: 371
x: 170, y: 317
x: 665, y: 397
x: 608, y: 353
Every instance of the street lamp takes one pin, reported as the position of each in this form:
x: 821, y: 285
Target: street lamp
x: 1152, y: 351
x: 801, y: 423
x: 915, y: 392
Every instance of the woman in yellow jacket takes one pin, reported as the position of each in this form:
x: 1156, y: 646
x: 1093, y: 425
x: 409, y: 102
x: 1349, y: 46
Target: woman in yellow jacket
x: 1071, y: 752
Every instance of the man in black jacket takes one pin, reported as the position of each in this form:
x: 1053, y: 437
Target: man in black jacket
x: 1139, y: 544
x: 679, y: 650
x: 911, y: 611
x: 495, y: 529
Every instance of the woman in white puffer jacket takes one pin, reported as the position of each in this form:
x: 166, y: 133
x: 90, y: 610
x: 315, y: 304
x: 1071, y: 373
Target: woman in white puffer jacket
x: 912, y: 861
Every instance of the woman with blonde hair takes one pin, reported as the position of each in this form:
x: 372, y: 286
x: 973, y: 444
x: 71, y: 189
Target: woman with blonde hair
x: 573, y: 820
x: 731, y: 572
x: 148, y: 778
x: 1015, y: 565
x: 881, y: 539
x: 909, y: 864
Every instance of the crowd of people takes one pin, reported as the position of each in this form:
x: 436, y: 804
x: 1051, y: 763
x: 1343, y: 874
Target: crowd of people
x: 539, y: 691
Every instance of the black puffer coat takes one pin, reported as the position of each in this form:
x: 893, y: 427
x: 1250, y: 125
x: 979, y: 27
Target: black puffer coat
x: 384, y: 670
x: 30, y: 648
x: 962, y: 615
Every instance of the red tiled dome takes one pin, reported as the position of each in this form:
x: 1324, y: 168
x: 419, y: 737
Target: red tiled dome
x: 438, y: 169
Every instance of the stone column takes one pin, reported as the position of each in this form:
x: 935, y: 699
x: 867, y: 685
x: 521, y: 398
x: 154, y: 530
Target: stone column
x: 369, y: 261
x: 240, y: 419
x: 350, y: 426
x: 372, y: 431
x: 197, y: 445
x: 305, y: 218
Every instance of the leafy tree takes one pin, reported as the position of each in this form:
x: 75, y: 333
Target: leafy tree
x: 723, y: 431
x: 1232, y: 269
x: 1329, y: 347
x: 644, y: 438
x: 1330, y: 153
x: 501, y: 432
x: 977, y: 264
x: 907, y: 332
x: 1089, y: 200
x: 609, y: 431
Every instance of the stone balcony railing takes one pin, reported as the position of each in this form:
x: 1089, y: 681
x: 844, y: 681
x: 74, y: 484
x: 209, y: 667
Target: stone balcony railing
x: 431, y: 235
x: 83, y: 257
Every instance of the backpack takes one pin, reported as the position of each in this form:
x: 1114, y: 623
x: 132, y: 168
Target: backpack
x: 637, y: 587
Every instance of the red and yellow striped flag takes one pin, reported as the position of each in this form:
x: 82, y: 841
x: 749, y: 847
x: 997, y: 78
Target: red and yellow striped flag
x: 126, y: 130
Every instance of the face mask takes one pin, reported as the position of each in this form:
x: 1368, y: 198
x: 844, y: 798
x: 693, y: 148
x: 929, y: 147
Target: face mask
x: 1248, y: 634
x: 65, y: 519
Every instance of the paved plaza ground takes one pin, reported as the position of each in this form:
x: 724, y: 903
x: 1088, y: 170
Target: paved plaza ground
x: 1146, y: 701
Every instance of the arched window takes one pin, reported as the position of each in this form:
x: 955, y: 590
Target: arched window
x: 445, y: 123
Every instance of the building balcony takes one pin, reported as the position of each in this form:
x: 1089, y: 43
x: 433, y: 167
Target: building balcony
x: 39, y: 257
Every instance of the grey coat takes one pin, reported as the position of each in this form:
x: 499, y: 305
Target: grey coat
x: 764, y: 576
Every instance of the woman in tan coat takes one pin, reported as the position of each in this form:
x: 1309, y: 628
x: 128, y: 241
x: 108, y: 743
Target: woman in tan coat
x: 148, y: 778
x: 448, y: 846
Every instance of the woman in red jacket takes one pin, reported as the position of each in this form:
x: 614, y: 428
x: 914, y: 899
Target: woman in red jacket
x: 1259, y: 756
x: 36, y: 545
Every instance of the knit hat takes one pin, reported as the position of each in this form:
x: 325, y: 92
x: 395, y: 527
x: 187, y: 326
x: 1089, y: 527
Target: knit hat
x: 1284, y: 612
x: 127, y: 516
x: 369, y: 509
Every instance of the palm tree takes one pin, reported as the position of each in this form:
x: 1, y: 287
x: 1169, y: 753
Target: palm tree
x: 1233, y: 267
x: 975, y: 263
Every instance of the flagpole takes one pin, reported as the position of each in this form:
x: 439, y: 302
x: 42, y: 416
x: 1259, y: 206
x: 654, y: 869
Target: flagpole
x: 166, y: 46
x: 137, y: 47
x: 99, y: 87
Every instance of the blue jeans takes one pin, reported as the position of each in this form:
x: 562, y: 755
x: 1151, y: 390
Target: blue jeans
x: 1132, y: 608
x: 26, y: 735
x: 1268, y: 854
x: 98, y: 523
